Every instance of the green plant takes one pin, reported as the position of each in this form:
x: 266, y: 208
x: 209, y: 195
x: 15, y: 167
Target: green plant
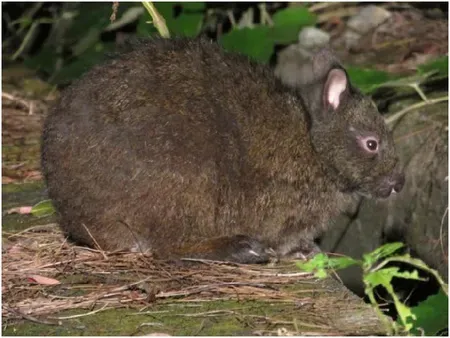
x: 258, y: 41
x: 74, y: 43
x: 188, y: 22
x: 43, y: 209
x: 76, y: 40
x: 254, y: 40
x: 377, y: 272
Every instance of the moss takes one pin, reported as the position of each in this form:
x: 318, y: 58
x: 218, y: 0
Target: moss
x: 24, y: 188
x: 174, y: 319
x: 17, y: 195
x: 212, y: 318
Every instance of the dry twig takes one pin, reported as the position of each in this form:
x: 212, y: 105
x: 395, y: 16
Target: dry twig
x: 116, y: 282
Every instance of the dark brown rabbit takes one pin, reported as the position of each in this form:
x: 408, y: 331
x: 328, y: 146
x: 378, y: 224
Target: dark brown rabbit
x: 188, y: 151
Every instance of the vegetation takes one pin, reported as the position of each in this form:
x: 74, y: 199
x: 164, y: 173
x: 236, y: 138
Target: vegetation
x: 377, y: 271
x: 80, y: 36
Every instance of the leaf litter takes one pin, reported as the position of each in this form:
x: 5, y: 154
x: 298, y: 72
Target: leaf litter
x: 44, y: 274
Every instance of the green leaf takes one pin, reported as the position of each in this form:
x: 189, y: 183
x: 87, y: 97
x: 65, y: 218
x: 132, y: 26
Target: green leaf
x: 321, y: 262
x: 381, y: 277
x: 408, y: 81
x: 45, y: 60
x: 144, y: 27
x: 317, y: 265
x: 91, y: 37
x: 405, y: 314
x: 381, y: 252
x: 318, y: 261
x: 76, y: 67
x: 284, y: 34
x: 418, y: 263
x: 83, y: 34
x: 321, y: 274
x: 384, y: 276
x: 431, y: 314
x: 409, y: 275
x: 367, y: 80
x: 91, y: 16
x: 288, y: 22
x: 43, y: 208
x: 166, y: 9
x: 338, y: 263
x: 440, y: 65
x: 193, y: 6
x: 252, y: 42
x: 188, y: 25
x: 294, y: 16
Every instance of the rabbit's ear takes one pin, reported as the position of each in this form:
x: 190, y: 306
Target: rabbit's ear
x: 335, y: 87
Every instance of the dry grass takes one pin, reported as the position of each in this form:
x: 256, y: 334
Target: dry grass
x: 91, y: 279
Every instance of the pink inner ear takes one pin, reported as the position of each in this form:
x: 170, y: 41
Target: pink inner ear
x: 335, y: 86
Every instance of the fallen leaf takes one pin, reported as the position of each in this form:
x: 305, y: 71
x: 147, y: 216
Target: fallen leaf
x: 13, y: 249
x: 19, y: 210
x: 6, y: 180
x: 43, y: 280
x: 33, y: 175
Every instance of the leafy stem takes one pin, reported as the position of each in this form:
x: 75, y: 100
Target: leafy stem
x: 378, y: 272
x: 158, y: 20
x: 418, y: 105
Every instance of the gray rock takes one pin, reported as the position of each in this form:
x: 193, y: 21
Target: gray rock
x: 294, y: 57
x: 350, y: 38
x: 289, y: 64
x: 312, y: 37
x: 368, y: 18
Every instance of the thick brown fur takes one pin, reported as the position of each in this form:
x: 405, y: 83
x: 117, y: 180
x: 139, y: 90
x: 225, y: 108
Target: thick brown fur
x: 181, y: 148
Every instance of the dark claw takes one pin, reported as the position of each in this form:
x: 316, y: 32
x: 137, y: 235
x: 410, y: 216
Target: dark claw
x: 304, y: 251
x: 247, y: 250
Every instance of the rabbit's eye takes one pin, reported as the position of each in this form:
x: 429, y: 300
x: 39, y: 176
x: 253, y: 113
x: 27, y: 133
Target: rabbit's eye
x: 372, y: 145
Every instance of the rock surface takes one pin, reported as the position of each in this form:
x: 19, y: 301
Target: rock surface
x: 368, y: 18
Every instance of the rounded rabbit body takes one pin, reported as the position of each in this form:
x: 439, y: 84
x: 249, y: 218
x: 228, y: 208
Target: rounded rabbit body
x: 181, y: 148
